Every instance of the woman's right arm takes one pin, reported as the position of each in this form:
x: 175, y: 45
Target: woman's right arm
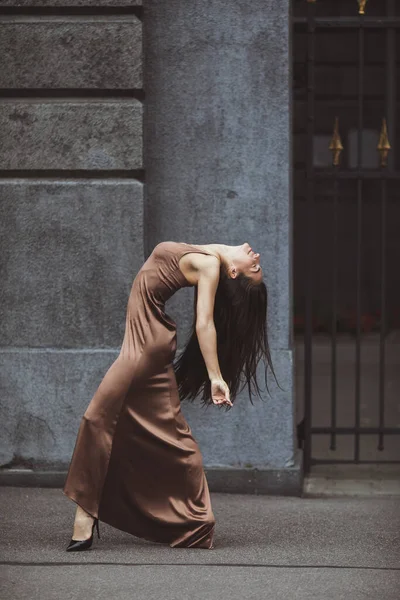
x: 205, y: 329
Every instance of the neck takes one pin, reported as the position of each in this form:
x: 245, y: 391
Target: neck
x: 223, y: 251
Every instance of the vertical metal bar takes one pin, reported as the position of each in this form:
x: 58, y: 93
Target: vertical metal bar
x: 383, y: 318
x: 310, y: 238
x: 358, y: 324
x: 336, y: 147
x: 359, y: 239
x: 390, y: 104
x: 391, y: 92
x: 334, y: 308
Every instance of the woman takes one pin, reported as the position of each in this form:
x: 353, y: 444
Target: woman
x: 136, y: 465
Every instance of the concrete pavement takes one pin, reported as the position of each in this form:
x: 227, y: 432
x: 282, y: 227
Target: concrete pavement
x: 266, y: 547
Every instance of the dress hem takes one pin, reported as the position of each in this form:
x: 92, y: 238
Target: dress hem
x: 142, y: 537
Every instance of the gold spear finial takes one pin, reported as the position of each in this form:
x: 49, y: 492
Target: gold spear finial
x: 361, y: 9
x: 336, y: 143
x: 384, y: 146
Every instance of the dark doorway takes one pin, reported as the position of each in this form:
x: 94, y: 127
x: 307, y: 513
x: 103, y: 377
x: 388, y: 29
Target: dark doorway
x: 346, y: 73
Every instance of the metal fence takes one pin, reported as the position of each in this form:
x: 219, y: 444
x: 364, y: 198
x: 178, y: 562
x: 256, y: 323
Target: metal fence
x: 355, y: 24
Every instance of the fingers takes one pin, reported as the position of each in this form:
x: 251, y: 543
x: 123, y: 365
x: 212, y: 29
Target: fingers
x: 223, y: 401
x: 227, y: 399
x: 226, y: 404
x: 217, y: 399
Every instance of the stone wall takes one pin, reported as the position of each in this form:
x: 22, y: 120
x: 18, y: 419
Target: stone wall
x: 218, y: 163
x: 217, y: 157
x: 71, y: 202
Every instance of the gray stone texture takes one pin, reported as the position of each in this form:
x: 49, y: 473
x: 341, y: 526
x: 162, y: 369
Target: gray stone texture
x: 70, y: 248
x: 217, y: 152
x: 282, y: 482
x: 217, y: 131
x: 249, y: 435
x: 71, y: 135
x: 44, y: 394
x: 217, y: 162
x: 45, y: 391
x: 71, y: 54
x: 70, y: 251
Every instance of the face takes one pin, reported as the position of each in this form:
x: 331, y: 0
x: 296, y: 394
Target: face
x: 246, y: 261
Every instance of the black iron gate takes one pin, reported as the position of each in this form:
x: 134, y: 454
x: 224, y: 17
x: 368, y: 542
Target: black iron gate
x: 346, y: 57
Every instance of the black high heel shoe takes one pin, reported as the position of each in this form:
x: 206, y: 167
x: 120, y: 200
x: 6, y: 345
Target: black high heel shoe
x: 84, y: 544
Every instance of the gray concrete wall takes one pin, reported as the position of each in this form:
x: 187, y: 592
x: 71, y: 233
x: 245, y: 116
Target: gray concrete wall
x: 71, y: 204
x: 218, y: 163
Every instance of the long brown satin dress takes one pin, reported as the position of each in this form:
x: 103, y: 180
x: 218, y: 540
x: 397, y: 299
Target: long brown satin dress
x: 136, y: 465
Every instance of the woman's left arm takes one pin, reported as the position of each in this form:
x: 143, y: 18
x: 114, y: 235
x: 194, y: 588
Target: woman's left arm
x: 205, y: 328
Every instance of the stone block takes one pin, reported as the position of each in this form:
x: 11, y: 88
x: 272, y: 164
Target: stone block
x: 71, y: 135
x: 218, y: 154
x: 70, y: 251
x: 250, y: 436
x: 285, y: 481
x: 86, y: 53
x: 218, y: 133
x: 44, y: 394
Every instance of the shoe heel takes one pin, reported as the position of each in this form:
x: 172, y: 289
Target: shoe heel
x: 75, y: 545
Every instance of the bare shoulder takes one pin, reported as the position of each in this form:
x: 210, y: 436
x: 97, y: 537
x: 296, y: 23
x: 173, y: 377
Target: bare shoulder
x: 196, y: 266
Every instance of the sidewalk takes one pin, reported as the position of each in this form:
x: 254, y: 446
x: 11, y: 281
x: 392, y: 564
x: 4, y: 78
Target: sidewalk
x: 266, y: 547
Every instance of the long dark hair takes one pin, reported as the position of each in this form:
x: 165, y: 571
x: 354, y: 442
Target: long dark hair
x: 240, y: 317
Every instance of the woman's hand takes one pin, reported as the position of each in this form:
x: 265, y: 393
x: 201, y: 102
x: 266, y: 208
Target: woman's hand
x: 220, y: 392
